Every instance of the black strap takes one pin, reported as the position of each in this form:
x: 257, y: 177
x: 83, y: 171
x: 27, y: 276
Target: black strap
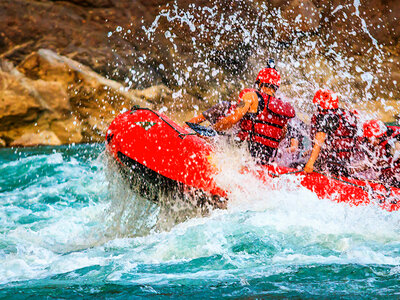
x: 253, y: 116
x: 251, y: 133
x: 266, y: 137
x: 268, y: 123
x: 261, y: 103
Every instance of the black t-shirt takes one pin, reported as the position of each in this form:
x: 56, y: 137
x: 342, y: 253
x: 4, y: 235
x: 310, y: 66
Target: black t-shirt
x: 327, y: 123
x: 390, y: 132
x: 297, y: 129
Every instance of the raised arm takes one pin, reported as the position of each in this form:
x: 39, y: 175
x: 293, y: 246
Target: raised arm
x: 198, y: 119
x: 249, y: 100
x: 318, y: 142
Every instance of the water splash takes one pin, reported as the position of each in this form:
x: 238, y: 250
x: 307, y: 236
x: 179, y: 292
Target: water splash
x: 232, y: 43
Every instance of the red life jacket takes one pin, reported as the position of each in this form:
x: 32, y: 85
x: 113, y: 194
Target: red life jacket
x: 266, y: 125
x: 383, y: 159
x: 384, y: 149
x: 341, y: 143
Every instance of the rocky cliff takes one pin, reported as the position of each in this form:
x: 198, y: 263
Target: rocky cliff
x: 67, y: 67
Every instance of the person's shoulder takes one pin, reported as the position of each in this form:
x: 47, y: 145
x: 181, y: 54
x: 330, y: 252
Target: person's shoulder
x: 246, y: 91
x: 249, y: 95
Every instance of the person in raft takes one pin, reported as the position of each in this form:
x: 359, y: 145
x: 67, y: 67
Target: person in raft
x: 224, y: 108
x: 259, y: 116
x: 381, y: 145
x: 292, y: 149
x: 333, y: 132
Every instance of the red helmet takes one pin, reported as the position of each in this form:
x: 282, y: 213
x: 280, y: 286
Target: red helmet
x: 269, y: 75
x: 374, y: 128
x: 326, y: 99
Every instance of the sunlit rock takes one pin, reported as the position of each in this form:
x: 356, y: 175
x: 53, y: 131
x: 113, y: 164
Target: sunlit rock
x: 19, y: 103
x: 52, y: 93
x: 34, y: 139
x: 158, y: 94
x: 68, y: 131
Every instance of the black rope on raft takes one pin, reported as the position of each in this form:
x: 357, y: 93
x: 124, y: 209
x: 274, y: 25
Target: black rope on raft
x: 180, y: 134
x: 289, y: 173
x: 341, y: 180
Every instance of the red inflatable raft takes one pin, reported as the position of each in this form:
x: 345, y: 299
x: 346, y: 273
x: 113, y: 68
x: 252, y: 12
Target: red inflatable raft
x: 160, y: 153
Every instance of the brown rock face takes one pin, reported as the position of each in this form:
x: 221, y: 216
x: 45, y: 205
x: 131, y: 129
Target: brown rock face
x: 78, y: 29
x: 116, y: 37
x: 56, y: 99
x: 183, y: 55
x: 297, y: 17
x: 158, y: 94
x: 17, y: 100
x: 68, y: 131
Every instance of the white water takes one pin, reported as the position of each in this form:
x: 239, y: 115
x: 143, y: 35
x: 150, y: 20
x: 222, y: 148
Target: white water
x: 276, y: 227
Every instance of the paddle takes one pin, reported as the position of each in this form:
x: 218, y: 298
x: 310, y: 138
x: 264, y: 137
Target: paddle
x: 202, y: 130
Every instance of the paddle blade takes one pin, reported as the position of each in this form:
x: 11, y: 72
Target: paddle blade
x: 202, y: 130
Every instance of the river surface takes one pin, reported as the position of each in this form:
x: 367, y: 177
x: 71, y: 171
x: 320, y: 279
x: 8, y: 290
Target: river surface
x: 67, y: 229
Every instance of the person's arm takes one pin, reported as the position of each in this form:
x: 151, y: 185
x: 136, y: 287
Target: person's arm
x: 198, y: 119
x: 397, y: 146
x: 227, y: 122
x: 319, y: 141
x: 396, y: 154
x: 284, y: 132
x: 294, y: 145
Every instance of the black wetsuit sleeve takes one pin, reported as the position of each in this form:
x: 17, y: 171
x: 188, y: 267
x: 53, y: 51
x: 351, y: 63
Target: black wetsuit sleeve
x: 217, y: 111
x: 293, y: 133
x: 328, y: 123
x: 397, y: 137
x: 389, y: 146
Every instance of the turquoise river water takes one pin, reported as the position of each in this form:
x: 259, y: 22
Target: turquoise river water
x: 69, y: 228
